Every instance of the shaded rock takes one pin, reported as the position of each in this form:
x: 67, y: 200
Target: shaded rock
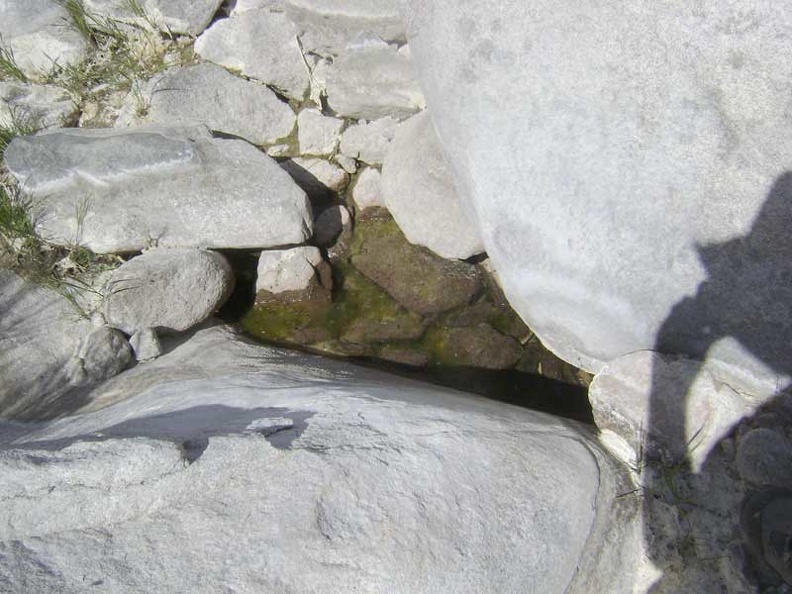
x: 475, y: 346
x: 621, y: 396
x: 265, y: 454
x: 40, y: 35
x: 260, y: 44
x: 43, y: 106
x: 123, y: 191
x: 326, y: 27
x: 371, y: 80
x: 416, y: 278
x: 102, y: 354
x: 330, y: 224
x: 146, y: 344
x: 40, y: 333
x: 597, y: 189
x: 369, y: 141
x: 367, y: 191
x: 210, y: 95
x: 168, y: 289
x: 405, y: 325
x: 420, y: 194
x: 297, y: 274
x: 317, y: 134
x: 188, y: 17
x: 318, y: 177
x: 403, y: 356
x: 764, y: 457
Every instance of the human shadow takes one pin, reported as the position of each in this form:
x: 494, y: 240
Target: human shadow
x: 690, y: 528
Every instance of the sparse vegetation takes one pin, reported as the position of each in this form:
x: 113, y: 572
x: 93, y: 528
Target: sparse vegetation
x: 9, y: 69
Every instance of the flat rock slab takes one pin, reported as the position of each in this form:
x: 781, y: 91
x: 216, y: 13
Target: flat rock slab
x: 413, y: 276
x: 189, y: 17
x: 40, y: 35
x: 42, y: 106
x: 419, y: 192
x: 317, y: 134
x: 371, y: 80
x: 167, y: 289
x: 208, y: 94
x: 369, y: 141
x: 262, y: 45
x: 614, y: 179
x: 123, y: 191
x: 280, y: 472
x: 47, y: 349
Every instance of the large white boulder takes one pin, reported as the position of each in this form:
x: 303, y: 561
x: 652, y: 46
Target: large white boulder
x: 210, y: 95
x: 125, y: 190
x: 280, y: 472
x: 420, y: 194
x: 260, y: 44
x: 619, y: 156
x: 167, y: 289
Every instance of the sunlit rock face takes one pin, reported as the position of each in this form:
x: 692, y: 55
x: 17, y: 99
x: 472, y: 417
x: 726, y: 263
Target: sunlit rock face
x: 617, y: 157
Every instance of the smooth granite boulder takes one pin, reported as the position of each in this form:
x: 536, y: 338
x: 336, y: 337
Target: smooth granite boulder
x: 621, y: 158
x: 188, y: 17
x: 262, y: 45
x: 210, y: 95
x: 274, y: 471
x: 40, y: 35
x: 420, y: 194
x: 125, y: 190
x: 171, y: 289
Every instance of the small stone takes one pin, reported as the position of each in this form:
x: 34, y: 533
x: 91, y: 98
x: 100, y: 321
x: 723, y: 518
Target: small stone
x: 405, y: 325
x: 104, y: 353
x: 146, y: 344
x: 367, y: 191
x: 169, y: 289
x: 317, y: 134
x: 261, y: 45
x: 297, y: 274
x: 348, y: 164
x: 477, y: 346
x: 369, y: 141
x: 330, y: 224
x: 316, y: 176
x: 404, y: 356
x: 42, y: 106
x: 764, y: 457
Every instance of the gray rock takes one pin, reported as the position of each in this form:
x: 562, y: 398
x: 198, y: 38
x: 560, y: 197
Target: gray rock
x: 146, y: 344
x: 40, y: 333
x: 296, y: 274
x: 123, y: 191
x: 317, y: 134
x: 764, y: 457
x: 371, y: 80
x: 316, y: 176
x: 262, y: 45
x: 367, y: 191
x: 478, y: 346
x: 599, y: 170
x: 348, y: 164
x: 210, y: 95
x: 420, y: 193
x: 167, y: 289
x: 330, y: 224
x: 39, y: 34
x: 326, y: 27
x: 308, y: 475
x: 244, y: 5
x: 622, y: 395
x: 369, y: 141
x: 43, y: 106
x: 102, y: 354
x: 188, y: 17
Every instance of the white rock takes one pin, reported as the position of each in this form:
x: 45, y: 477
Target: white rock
x: 372, y: 80
x: 367, y: 191
x: 102, y: 354
x: 245, y: 5
x: 330, y: 223
x: 260, y: 44
x: 420, y: 194
x: 326, y: 27
x: 123, y: 191
x: 188, y: 17
x: 600, y: 169
x: 210, y: 95
x: 317, y: 134
x: 39, y: 34
x: 348, y: 164
x: 287, y: 270
x: 369, y: 141
x: 669, y: 407
x: 43, y: 106
x: 280, y: 472
x: 316, y: 176
x: 167, y: 289
x: 146, y: 344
